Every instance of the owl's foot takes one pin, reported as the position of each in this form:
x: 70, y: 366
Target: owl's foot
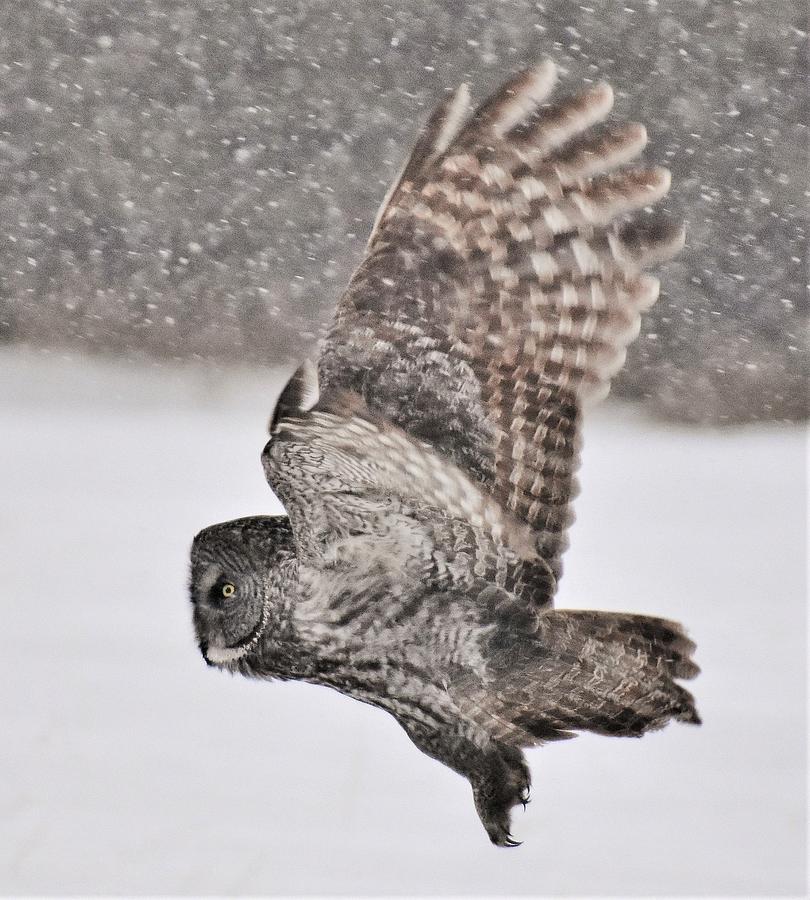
x: 497, y: 772
x: 501, y: 783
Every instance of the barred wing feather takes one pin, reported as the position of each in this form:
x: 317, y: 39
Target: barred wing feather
x: 502, y: 285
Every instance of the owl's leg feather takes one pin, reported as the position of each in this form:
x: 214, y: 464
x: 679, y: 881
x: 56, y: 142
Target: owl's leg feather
x: 497, y: 772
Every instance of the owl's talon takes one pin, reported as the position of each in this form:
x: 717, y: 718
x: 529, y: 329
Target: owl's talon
x: 502, y: 783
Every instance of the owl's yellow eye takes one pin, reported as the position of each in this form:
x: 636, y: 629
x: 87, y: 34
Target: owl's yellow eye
x: 228, y: 590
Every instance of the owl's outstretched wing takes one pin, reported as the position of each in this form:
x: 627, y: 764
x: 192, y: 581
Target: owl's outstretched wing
x: 501, y: 287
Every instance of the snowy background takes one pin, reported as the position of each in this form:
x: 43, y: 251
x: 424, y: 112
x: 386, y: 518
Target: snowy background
x: 198, y: 178
x: 128, y: 766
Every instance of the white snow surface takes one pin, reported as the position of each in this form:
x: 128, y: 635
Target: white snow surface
x: 129, y: 767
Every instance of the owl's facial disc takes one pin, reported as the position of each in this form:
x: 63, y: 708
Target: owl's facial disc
x: 222, y: 656
x: 237, y: 569
x: 231, y: 614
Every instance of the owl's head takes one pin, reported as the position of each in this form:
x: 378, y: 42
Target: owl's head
x: 238, y: 575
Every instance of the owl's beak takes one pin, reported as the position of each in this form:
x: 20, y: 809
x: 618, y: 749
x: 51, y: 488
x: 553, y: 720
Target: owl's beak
x: 204, y: 652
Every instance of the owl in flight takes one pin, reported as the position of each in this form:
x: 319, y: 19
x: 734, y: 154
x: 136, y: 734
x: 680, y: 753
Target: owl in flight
x: 426, y: 463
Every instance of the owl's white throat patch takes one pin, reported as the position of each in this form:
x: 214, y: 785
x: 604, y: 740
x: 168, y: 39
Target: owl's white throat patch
x: 223, y: 656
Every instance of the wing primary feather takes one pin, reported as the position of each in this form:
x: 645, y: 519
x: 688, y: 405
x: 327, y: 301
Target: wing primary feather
x: 438, y: 133
x: 593, y: 154
x: 641, y: 245
x: 558, y: 124
x: 445, y: 123
x: 514, y: 101
x: 610, y: 196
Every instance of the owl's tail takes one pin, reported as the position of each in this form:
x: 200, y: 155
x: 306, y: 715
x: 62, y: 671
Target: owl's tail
x: 610, y: 673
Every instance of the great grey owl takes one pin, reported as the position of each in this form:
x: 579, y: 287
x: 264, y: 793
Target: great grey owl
x: 427, y: 462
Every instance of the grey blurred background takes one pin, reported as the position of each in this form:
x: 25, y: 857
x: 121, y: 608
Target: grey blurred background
x: 197, y: 179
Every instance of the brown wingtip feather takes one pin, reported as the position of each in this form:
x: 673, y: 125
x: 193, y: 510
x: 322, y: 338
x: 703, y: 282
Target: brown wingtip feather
x: 558, y: 124
x: 520, y: 97
x: 594, y: 154
x: 658, y: 181
x: 440, y: 130
x: 645, y: 244
x: 613, y: 195
x: 514, y: 101
x: 445, y: 123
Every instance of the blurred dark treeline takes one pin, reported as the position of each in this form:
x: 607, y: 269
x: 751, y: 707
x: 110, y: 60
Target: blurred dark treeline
x: 197, y: 179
